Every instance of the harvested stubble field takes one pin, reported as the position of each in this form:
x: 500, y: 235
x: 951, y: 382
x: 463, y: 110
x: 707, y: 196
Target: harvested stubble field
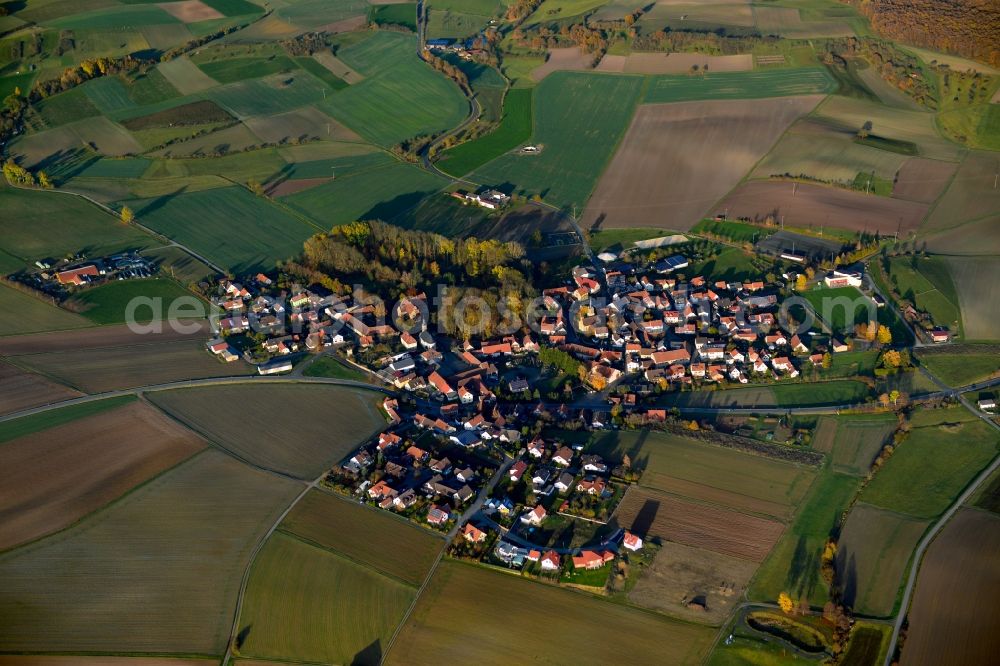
x: 923, y: 180
x: 295, y: 429
x: 953, y: 615
x: 659, y: 176
x: 183, y: 539
x: 873, y: 554
x: 302, y: 123
x: 307, y: 603
x: 185, y: 76
x: 710, y: 473
x: 654, y: 513
x: 794, y: 564
x: 23, y: 390
x: 853, y: 442
x: 468, y: 614
x: 809, y: 206
x: 975, y: 280
x: 57, y: 476
x: 370, y: 537
x: 579, y: 118
x: 571, y: 58
x: 816, y: 149
x: 112, y: 357
x: 945, y: 450
x: 681, y: 574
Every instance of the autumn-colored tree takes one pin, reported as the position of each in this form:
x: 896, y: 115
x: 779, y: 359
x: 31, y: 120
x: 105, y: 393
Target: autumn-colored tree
x: 884, y: 399
x: 693, y: 425
x: 827, y: 361
x: 894, y: 395
x: 43, y: 181
x: 127, y: 216
x: 785, y: 603
x: 801, y: 282
x: 884, y: 335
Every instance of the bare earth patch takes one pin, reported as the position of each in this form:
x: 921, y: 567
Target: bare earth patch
x: 692, y: 583
x: 652, y: 513
x: 23, y: 390
x: 190, y: 11
x: 346, y: 25
x: 954, y: 611
x: 572, y: 58
x: 103, y: 660
x: 808, y: 205
x: 287, y: 187
x: 338, y: 67
x: 922, y: 180
x: 53, y: 478
x: 676, y: 160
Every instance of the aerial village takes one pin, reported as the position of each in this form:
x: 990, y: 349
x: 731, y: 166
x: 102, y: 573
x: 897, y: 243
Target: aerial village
x: 466, y: 452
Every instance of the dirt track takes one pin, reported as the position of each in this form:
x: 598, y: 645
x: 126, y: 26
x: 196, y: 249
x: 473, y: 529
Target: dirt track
x: 677, y: 160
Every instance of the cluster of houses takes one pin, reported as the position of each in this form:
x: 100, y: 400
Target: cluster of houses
x: 424, y: 477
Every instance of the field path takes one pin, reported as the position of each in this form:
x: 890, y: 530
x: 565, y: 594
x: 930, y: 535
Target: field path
x: 918, y: 554
x: 466, y: 515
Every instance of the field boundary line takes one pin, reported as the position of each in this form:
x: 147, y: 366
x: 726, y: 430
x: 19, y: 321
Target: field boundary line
x: 937, y: 526
x: 241, y: 595
x: 344, y: 556
x: 135, y: 223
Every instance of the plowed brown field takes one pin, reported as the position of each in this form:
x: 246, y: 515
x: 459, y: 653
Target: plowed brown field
x: 51, y: 479
x: 712, y: 528
x: 678, y: 159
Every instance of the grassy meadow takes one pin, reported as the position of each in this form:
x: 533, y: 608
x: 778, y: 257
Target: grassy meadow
x: 578, y: 120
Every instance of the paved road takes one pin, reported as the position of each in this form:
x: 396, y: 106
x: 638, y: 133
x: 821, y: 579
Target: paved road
x: 190, y: 383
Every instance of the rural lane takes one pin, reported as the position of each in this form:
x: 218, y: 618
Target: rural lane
x: 937, y: 527
x: 191, y: 383
x: 583, y: 403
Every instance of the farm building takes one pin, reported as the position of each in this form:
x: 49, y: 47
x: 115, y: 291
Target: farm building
x: 842, y: 278
x: 274, y: 367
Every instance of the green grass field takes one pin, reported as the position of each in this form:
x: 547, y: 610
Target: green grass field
x: 269, y: 95
x: 793, y: 565
x: 739, y: 85
x: 39, y: 225
x: 28, y: 425
x: 230, y: 70
x: 404, y: 14
x: 927, y: 283
x: 331, y: 367
x: 386, y: 543
x: 513, y: 130
x: 383, y: 193
x: 107, y: 303
x: 578, y: 120
x: 395, y: 79
x: 321, y: 72
x: 27, y: 314
x: 309, y: 604
x: 229, y: 226
x: 961, y: 369
x: 734, y: 231
x: 731, y: 263
x: 945, y: 449
x: 841, y: 308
